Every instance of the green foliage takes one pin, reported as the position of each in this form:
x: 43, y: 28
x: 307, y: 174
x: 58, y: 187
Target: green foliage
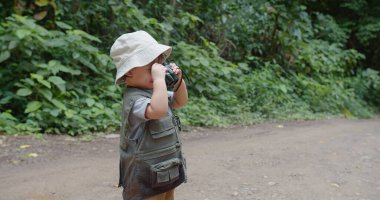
x: 326, y: 28
x: 55, y: 77
x: 108, y: 19
x: 366, y: 86
x: 319, y: 57
x: 360, y: 21
x: 246, y: 61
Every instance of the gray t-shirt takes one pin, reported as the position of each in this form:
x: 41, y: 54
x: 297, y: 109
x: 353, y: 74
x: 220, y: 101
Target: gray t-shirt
x: 137, y: 119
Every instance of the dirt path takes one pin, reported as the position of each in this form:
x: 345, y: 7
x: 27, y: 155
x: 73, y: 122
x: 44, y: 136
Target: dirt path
x: 321, y: 160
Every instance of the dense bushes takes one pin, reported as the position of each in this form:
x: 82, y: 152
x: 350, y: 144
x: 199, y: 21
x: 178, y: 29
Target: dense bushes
x: 245, y: 62
x: 54, y: 81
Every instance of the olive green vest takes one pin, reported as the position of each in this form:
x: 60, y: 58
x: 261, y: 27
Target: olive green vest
x: 151, y: 163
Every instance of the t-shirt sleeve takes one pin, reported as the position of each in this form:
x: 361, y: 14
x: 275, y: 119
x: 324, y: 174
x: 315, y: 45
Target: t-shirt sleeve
x: 140, y: 105
x: 139, y: 108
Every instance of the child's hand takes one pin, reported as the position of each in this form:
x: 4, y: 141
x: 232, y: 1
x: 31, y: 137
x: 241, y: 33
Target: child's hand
x: 176, y: 70
x: 158, y: 71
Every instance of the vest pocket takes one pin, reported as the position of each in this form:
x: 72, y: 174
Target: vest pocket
x: 162, y: 127
x: 165, y: 173
x: 160, y: 134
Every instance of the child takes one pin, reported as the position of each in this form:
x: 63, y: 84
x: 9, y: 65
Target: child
x: 151, y: 160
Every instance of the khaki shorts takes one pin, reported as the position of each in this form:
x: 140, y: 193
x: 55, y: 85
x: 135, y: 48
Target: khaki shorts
x: 163, y: 196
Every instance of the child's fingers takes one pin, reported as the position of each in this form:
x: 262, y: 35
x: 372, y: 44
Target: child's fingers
x: 173, y: 65
x: 175, y: 68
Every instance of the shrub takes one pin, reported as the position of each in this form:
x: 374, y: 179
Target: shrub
x: 55, y: 77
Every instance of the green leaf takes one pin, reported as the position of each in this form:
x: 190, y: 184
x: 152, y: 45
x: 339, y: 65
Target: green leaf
x: 63, y: 25
x: 204, y: 62
x: 89, y: 48
x: 41, y: 80
x: 41, y: 3
x: 28, y: 81
x: 12, y: 44
x: 199, y: 88
x: 54, y: 112
x: 55, y: 66
x: 46, y: 93
x: 90, y: 102
x: 75, y: 55
x: 28, y: 52
x: 243, y: 66
x: 45, y: 83
x: 58, y: 104
x: 24, y: 92
x: 97, y: 111
x: 104, y: 59
x: 99, y: 105
x: 283, y: 88
x: 88, y: 64
x: 56, y: 42
x: 194, y: 63
x: 21, y: 33
x: 36, y: 76
x: 59, y: 82
x: 33, y: 106
x: 69, y: 113
x: 4, y: 56
x: 8, y: 116
x: 86, y: 35
x: 5, y: 100
x: 24, y: 20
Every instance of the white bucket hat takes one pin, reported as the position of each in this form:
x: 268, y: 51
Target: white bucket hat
x: 135, y: 49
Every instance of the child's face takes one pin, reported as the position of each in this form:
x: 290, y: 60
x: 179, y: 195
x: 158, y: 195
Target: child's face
x: 141, y: 77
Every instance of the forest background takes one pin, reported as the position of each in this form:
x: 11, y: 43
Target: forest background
x: 245, y: 61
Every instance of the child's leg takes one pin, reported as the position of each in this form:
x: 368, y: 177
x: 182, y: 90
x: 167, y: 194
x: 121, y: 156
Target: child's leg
x: 163, y: 196
x: 170, y: 195
x: 157, y: 197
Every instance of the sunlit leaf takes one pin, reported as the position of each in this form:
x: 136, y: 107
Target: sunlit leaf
x: 63, y: 25
x: 46, y: 93
x: 283, y: 88
x: 86, y: 35
x: 56, y: 42
x: 54, y: 112
x: 204, y: 62
x: 40, y: 79
x: 33, y: 106
x: 24, y: 92
x: 88, y: 64
x: 58, y: 104
x: 4, y: 56
x: 59, y: 82
x: 21, y: 33
x: 12, y: 45
x: 69, y: 113
x: 90, y: 102
x: 41, y: 2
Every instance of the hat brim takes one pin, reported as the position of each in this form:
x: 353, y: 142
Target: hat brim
x: 141, y: 59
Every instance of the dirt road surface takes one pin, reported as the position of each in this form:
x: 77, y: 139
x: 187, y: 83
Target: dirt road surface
x: 333, y: 159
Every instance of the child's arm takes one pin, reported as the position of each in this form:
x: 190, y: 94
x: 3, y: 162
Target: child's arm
x: 158, y: 106
x: 180, y: 96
